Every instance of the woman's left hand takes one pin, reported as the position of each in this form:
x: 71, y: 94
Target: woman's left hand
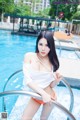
x: 57, y: 76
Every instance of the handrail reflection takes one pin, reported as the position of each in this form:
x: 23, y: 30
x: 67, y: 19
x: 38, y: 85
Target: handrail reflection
x: 58, y: 105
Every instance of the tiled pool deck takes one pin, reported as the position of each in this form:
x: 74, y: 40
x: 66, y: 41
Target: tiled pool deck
x: 70, y: 69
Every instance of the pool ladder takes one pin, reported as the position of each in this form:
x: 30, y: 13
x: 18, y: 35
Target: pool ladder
x: 21, y: 92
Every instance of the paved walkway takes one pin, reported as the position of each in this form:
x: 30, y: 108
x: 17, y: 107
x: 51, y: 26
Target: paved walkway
x: 8, y: 26
x: 70, y: 68
x: 76, y: 39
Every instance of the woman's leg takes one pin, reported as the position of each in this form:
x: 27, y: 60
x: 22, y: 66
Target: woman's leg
x: 30, y: 110
x: 47, y: 108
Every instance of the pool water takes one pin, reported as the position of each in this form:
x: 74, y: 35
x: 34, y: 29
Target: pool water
x: 12, y: 50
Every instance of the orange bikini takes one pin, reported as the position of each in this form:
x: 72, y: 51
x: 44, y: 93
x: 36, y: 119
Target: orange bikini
x: 38, y: 101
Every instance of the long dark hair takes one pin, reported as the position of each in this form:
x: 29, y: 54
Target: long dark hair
x: 52, y: 54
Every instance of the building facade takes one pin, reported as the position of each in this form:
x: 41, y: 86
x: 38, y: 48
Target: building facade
x: 42, y: 5
x: 37, y: 6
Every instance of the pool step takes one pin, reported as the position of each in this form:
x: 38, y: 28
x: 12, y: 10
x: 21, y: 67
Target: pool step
x: 56, y: 114
x: 17, y: 111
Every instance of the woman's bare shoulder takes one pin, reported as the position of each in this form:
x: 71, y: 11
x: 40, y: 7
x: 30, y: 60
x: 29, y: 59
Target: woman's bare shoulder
x: 30, y: 54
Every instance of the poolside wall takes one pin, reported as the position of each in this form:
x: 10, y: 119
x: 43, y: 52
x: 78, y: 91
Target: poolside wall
x: 74, y: 83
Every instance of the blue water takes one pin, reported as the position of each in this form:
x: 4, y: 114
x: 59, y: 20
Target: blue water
x: 12, y: 50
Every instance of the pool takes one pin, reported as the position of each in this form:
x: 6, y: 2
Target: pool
x: 13, y: 48
x: 56, y: 114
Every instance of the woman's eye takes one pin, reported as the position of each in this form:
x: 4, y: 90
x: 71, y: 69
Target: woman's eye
x: 40, y: 44
x: 47, y: 45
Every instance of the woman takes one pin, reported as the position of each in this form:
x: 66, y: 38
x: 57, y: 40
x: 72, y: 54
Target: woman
x: 40, y: 74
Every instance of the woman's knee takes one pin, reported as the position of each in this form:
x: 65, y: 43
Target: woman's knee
x: 47, y: 108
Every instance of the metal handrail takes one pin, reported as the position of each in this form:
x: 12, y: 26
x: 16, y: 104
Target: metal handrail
x: 58, y: 105
x: 60, y: 48
x: 77, y: 55
x: 63, y: 81
x: 71, y: 94
x: 18, y: 71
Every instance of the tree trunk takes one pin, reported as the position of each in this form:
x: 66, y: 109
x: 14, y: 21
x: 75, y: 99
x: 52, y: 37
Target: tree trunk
x: 2, y: 17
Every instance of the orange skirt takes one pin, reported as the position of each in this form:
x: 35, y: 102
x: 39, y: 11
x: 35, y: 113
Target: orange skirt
x: 38, y: 101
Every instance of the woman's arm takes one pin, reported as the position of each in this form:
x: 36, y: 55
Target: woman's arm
x: 45, y: 96
x: 57, y: 78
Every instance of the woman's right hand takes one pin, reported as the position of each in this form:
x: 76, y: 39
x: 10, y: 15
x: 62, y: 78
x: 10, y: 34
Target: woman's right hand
x: 46, y: 97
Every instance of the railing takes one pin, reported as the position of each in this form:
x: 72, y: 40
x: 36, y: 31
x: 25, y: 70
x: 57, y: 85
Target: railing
x: 71, y: 94
x: 18, y: 71
x: 58, y: 105
x: 63, y: 81
x: 3, y: 99
x: 77, y: 54
x: 60, y: 48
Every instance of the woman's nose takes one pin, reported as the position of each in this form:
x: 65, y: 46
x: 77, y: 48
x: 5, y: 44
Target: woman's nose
x: 43, y: 48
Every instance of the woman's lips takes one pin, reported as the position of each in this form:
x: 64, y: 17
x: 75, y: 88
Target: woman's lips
x: 43, y: 52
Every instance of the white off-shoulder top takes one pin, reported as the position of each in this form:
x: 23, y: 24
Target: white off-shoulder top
x: 42, y: 78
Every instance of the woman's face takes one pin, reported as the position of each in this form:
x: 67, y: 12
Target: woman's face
x: 43, y: 47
